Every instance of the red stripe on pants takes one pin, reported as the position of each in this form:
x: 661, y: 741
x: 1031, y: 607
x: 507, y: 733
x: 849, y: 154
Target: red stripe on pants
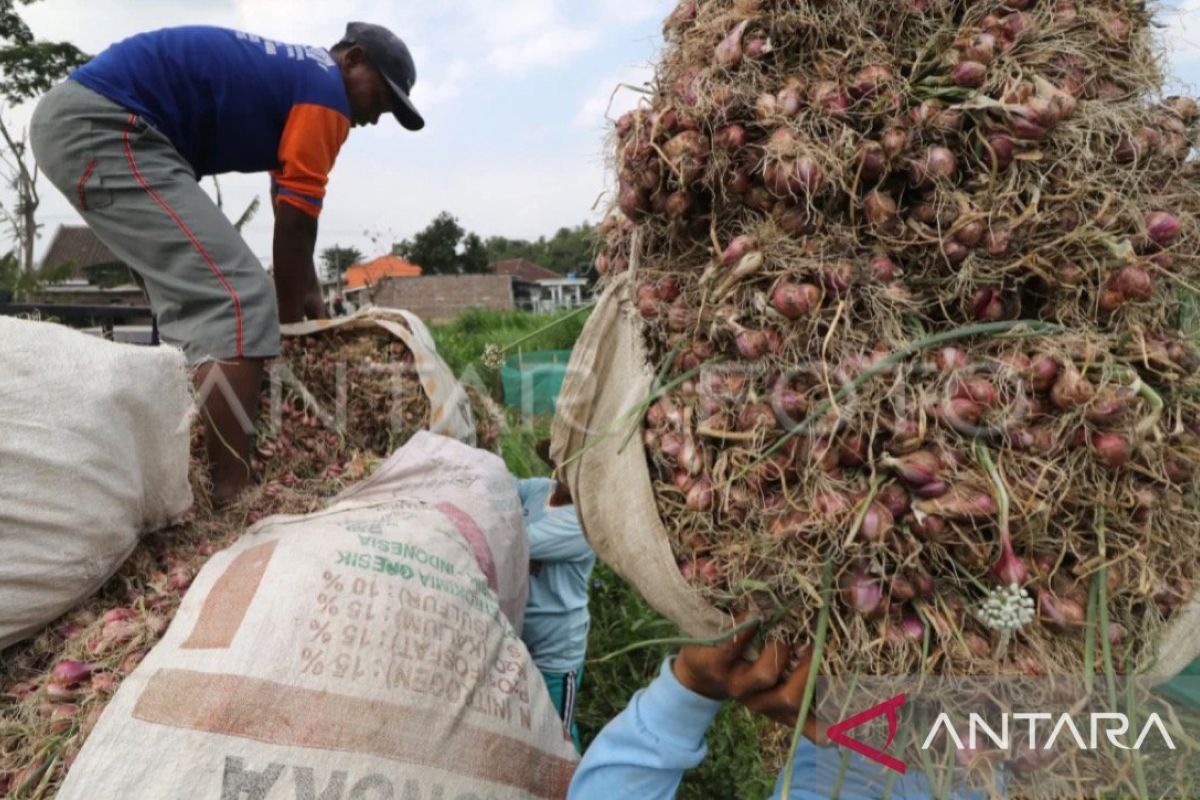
x: 237, y: 303
x: 83, y: 180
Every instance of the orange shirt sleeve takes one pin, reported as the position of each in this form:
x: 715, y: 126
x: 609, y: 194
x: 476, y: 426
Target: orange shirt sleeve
x: 312, y: 137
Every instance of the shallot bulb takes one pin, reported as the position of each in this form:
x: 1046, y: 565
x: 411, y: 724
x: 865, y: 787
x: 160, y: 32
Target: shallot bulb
x: 737, y: 249
x: 700, y: 495
x: 790, y: 300
x: 752, y: 344
x: 1112, y: 450
x: 868, y: 80
x: 912, y: 628
x: 1162, y: 228
x: 863, y: 593
x: 70, y: 673
x: 877, y: 522
x: 729, y: 52
x: 937, y: 164
x: 969, y: 74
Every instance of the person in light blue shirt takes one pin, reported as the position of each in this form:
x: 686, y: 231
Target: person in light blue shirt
x: 556, y: 617
x: 645, y: 750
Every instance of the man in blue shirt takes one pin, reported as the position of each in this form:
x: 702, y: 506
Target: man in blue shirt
x: 556, y: 617
x: 128, y: 136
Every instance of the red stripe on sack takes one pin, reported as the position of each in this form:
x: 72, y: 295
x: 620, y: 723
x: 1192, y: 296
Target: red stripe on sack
x: 411, y: 732
x: 229, y: 600
x: 87, y: 173
x: 237, y: 303
x: 476, y: 540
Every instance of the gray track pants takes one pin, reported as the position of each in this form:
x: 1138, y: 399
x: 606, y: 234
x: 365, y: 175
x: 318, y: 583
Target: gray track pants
x: 137, y: 193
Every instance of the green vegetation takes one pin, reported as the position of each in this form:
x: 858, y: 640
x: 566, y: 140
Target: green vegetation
x: 463, y: 342
x: 28, y: 65
x: 735, y: 765
x: 17, y: 282
x: 568, y: 250
x: 337, y: 259
x: 520, y: 437
x: 444, y: 247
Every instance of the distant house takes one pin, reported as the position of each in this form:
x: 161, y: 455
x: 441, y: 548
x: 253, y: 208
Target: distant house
x: 536, y: 288
x: 97, y: 277
x: 77, y: 246
x: 372, y: 272
x: 98, y: 294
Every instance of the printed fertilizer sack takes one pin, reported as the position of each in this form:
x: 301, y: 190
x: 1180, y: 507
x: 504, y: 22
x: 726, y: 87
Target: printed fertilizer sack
x: 366, y: 651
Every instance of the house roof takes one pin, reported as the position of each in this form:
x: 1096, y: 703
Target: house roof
x: 378, y: 269
x: 525, y: 270
x: 76, y: 244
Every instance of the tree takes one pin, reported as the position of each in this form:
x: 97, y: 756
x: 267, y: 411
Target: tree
x: 28, y: 67
x: 440, y: 248
x: 444, y: 247
x: 337, y: 259
x: 569, y: 250
x: 246, y: 215
x: 20, y: 173
x: 16, y: 282
x: 474, y: 258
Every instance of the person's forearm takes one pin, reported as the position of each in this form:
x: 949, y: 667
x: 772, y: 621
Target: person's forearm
x: 295, y: 273
x: 644, y: 751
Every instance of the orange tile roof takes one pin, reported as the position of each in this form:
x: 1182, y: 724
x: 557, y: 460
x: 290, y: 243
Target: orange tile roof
x: 374, y: 271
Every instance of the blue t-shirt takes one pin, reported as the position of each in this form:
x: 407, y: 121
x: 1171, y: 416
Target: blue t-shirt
x: 556, y: 617
x: 232, y: 102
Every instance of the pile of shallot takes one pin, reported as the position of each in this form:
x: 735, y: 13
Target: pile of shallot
x: 915, y: 274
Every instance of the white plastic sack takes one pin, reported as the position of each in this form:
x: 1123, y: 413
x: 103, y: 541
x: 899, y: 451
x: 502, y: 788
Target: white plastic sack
x: 93, y: 454
x: 361, y: 652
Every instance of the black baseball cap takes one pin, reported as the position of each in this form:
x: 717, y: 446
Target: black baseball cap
x: 390, y: 56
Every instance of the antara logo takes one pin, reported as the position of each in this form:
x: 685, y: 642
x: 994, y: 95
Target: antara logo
x: 1116, y: 726
x: 890, y: 708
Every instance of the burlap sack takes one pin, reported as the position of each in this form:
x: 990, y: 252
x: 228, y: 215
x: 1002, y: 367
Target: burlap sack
x: 608, y: 378
x: 93, y: 455
x: 1179, y: 646
x: 450, y: 408
x: 609, y: 375
x: 361, y: 652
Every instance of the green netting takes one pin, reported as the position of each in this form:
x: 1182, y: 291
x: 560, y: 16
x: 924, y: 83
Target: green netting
x: 532, y: 380
x: 1186, y: 687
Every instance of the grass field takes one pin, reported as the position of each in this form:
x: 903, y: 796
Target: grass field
x: 735, y: 767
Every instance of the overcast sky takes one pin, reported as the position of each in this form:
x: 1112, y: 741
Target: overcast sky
x: 514, y: 94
